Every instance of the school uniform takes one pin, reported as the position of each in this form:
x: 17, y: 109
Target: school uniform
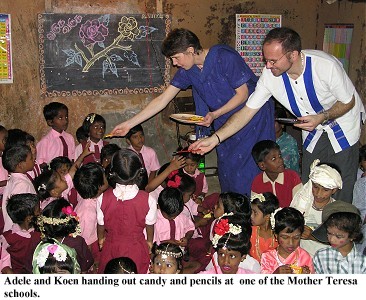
x: 51, y: 146
x: 151, y: 161
x: 125, y: 211
x: 17, y: 247
x: 18, y: 183
x: 94, y: 147
x: 163, y: 229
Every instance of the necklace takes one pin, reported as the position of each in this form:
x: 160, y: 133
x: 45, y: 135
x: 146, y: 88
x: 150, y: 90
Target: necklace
x: 257, y: 249
x: 319, y: 208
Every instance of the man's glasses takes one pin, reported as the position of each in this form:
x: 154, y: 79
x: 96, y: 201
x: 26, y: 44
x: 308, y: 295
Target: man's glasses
x: 274, y: 61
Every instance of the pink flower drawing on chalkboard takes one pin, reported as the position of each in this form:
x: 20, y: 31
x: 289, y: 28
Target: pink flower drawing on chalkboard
x: 93, y: 34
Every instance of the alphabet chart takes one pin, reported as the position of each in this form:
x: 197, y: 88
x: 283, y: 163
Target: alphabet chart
x: 251, y: 30
x: 6, y: 72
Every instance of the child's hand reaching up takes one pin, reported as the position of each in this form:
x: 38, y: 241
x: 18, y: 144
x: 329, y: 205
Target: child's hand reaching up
x: 176, y: 163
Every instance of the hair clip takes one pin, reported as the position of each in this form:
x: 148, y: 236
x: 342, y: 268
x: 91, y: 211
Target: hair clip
x: 41, y: 187
x: 223, y: 227
x: 260, y: 197
x: 57, y: 252
x: 90, y: 118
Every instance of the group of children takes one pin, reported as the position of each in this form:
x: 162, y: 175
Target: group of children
x: 100, y: 208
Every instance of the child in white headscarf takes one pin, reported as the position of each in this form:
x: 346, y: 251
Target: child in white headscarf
x: 324, y: 181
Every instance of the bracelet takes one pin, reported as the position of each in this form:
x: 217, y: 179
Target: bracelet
x: 218, y: 139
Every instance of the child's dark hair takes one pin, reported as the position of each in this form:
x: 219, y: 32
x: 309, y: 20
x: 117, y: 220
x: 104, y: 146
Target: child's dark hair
x: 262, y: 148
x: 20, y: 206
x: 81, y: 135
x: 126, y: 169
x: 88, y: 179
x: 236, y: 242
x: 290, y: 218
x: 170, y: 201
x: 44, y: 183
x: 120, y: 265
x: 52, y: 265
x: 58, y: 209
x: 347, y: 222
x: 134, y: 130
x: 90, y: 119
x: 280, y: 112
x: 237, y: 204
x: 268, y: 206
x: 190, y: 155
x: 362, y: 153
x: 14, y: 156
x: 59, y: 161
x: 108, y: 151
x: 182, y: 181
x: 169, y: 250
x: 18, y: 137
x: 51, y: 110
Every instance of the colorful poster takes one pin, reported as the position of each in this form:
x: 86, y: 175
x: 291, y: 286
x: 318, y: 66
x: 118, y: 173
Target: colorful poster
x: 6, y: 71
x: 250, y: 32
x: 337, y: 41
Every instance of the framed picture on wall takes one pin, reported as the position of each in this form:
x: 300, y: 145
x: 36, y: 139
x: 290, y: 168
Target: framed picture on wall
x: 251, y: 30
x: 337, y: 41
x: 6, y: 66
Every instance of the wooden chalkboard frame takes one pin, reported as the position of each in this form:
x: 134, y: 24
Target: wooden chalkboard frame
x: 87, y: 55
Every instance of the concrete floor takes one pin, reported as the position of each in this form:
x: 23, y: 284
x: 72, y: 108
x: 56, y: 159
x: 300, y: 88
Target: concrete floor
x: 211, y: 173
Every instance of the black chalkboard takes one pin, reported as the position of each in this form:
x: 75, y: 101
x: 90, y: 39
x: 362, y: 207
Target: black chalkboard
x: 88, y: 54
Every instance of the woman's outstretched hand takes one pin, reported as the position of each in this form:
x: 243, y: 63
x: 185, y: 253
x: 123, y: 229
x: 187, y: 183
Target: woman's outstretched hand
x: 120, y: 130
x: 204, y: 146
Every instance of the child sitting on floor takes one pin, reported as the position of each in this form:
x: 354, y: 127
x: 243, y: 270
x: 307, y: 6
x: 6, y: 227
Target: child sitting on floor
x: 341, y: 228
x: 237, y: 205
x: 288, y: 257
x: 264, y: 207
x: 312, y: 198
x: 232, y: 243
x: 172, y: 225
x: 60, y: 222
x: 166, y: 259
x: 275, y: 178
x: 121, y: 265
x: 53, y: 257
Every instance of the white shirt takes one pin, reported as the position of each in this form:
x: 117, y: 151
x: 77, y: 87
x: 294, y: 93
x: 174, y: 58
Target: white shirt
x: 331, y: 84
